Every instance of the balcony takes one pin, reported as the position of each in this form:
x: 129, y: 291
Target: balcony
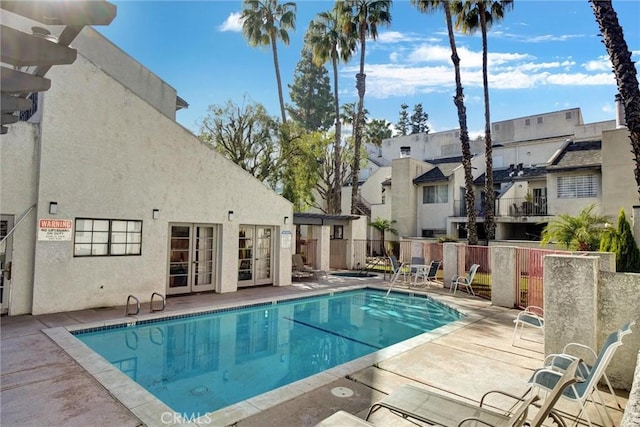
x: 521, y: 206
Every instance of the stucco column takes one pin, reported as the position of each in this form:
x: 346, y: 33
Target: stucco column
x: 570, y: 301
x: 449, y: 262
x: 323, y: 244
x: 503, y: 279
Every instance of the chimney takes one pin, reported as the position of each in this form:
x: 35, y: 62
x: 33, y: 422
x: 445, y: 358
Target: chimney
x: 405, y: 152
x: 620, y: 115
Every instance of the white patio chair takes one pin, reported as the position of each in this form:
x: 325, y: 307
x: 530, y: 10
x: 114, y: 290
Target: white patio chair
x: 464, y: 281
x: 530, y: 316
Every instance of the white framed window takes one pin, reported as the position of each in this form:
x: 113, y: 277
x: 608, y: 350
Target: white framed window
x: 107, y: 237
x: 578, y: 186
x: 435, y: 194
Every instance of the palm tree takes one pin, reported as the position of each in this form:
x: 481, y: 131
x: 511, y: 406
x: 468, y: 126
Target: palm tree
x: 365, y: 17
x: 471, y: 16
x: 427, y: 6
x: 263, y: 23
x: 328, y: 41
x: 383, y: 225
x: 581, y: 232
x: 624, y: 70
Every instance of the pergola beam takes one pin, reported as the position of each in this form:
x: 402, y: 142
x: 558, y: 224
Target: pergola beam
x: 78, y: 13
x: 16, y: 82
x: 22, y: 50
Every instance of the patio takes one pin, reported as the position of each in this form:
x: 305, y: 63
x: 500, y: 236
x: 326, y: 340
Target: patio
x: 463, y: 361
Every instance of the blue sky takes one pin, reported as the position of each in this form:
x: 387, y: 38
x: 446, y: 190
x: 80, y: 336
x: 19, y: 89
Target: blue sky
x: 543, y: 56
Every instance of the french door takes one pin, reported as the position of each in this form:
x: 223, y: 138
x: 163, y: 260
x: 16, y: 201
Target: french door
x: 192, y: 255
x: 255, y: 262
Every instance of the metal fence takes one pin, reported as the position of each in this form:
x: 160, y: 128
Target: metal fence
x: 481, y: 255
x: 529, y: 275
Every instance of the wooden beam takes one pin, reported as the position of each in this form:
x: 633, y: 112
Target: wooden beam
x: 7, y: 119
x: 22, y: 50
x: 78, y: 12
x: 17, y: 82
x: 10, y: 103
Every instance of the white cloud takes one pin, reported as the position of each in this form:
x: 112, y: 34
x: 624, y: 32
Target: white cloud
x: 600, y: 64
x: 232, y: 23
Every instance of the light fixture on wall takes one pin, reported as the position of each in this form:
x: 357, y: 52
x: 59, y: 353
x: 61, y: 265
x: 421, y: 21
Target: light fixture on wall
x: 230, y: 216
x: 286, y: 218
x: 156, y: 213
x: 53, y: 208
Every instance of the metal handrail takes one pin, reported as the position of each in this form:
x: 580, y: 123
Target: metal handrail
x: 17, y: 223
x: 127, y: 312
x: 162, y: 298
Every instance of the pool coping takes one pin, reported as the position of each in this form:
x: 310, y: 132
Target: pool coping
x: 153, y: 412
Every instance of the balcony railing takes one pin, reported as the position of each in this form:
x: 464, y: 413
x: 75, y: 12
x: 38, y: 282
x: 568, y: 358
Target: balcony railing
x: 536, y: 206
x: 460, y: 209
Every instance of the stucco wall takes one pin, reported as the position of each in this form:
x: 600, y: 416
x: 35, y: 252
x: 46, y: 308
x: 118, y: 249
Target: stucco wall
x: 585, y: 305
x: 617, y: 168
x: 19, y: 154
x: 106, y: 153
x: 569, y: 206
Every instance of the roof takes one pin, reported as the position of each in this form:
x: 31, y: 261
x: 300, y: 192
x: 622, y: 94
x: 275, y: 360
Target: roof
x: 320, y: 218
x: 513, y: 174
x: 434, y: 175
x: 456, y: 159
x: 578, y: 155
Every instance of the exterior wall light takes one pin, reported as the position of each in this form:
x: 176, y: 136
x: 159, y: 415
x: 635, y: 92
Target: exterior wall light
x: 53, y: 208
x: 286, y: 218
x: 156, y: 214
x: 230, y: 216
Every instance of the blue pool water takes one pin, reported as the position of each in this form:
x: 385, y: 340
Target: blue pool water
x: 201, y: 363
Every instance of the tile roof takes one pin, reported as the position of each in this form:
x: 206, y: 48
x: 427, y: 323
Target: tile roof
x: 434, y: 175
x: 508, y: 175
x: 578, y: 155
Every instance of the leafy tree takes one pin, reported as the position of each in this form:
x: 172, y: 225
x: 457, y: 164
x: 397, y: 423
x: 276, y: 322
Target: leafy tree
x: 620, y: 241
x: 383, y: 226
x: 325, y: 185
x: 329, y: 41
x: 469, y: 196
x: 311, y: 94
x: 263, y: 23
x: 471, y: 16
x: 376, y: 130
x: 249, y: 137
x: 625, y: 71
x: 365, y: 16
x: 581, y: 232
x: 402, y: 127
x: 419, y: 120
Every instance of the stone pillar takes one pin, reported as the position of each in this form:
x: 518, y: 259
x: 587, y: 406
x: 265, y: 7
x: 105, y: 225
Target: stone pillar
x: 503, y: 277
x: 631, y: 415
x: 570, y: 301
x: 323, y: 249
x: 449, y: 262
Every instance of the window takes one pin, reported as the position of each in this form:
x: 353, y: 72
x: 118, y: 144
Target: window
x: 578, y: 186
x: 435, y: 194
x: 539, y: 120
x: 567, y: 115
x: 105, y: 237
x: 527, y: 122
x: 338, y: 231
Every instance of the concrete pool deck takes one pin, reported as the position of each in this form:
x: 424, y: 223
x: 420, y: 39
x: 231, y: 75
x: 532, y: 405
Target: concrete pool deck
x: 41, y: 384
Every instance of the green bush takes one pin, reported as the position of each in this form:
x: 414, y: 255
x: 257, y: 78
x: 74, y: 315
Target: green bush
x: 620, y: 241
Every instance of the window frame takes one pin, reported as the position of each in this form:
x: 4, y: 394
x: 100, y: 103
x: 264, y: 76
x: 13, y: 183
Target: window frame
x: 437, y: 194
x: 111, y: 242
x: 578, y: 186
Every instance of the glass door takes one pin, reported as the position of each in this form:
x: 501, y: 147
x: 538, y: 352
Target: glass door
x: 6, y: 224
x: 191, y: 258
x: 254, y: 255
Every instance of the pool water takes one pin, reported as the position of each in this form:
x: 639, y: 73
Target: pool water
x: 201, y: 363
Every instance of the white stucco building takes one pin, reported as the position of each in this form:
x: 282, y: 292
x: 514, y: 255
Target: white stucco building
x: 105, y: 195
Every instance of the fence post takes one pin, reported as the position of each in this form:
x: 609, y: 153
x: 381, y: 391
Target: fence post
x: 503, y: 276
x: 571, y: 301
x: 449, y: 262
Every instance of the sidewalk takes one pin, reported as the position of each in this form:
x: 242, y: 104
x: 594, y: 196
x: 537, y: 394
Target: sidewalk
x: 43, y: 385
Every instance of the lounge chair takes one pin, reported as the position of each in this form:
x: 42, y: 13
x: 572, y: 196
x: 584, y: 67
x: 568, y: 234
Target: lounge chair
x: 573, y: 350
x: 531, y: 316
x: 547, y: 378
x: 299, y: 269
x: 413, y: 402
x: 464, y: 281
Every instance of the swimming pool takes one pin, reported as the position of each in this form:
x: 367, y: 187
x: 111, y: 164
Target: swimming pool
x: 201, y: 363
